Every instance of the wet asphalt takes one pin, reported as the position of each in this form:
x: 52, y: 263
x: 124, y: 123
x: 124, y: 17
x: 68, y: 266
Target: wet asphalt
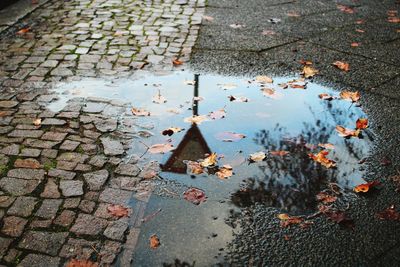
x: 323, y: 34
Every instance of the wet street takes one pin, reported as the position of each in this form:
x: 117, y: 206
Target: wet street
x: 193, y: 133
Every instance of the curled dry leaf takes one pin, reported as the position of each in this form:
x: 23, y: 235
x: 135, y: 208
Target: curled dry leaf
x: 194, y: 167
x: 37, y: 122
x: 258, y: 156
x: 170, y: 131
x: 140, y: 112
x: 339, y: 217
x: 196, y: 119
x: 118, y: 211
x: 309, y: 71
x: 345, y: 132
x: 225, y: 172
x: 238, y: 99
x: 350, y: 96
x: 394, y: 19
x: 362, y: 123
x: 195, y: 195
x: 322, y: 159
x: 264, y: 79
x: 159, y: 99
x: 154, y: 242
x: 326, y: 198
x: 287, y: 220
x: 271, y: 93
x: 364, y: 188
x: 341, y: 65
x: 389, y: 214
x: 280, y: 153
x: 161, y: 148
x: 293, y: 14
x: 327, y: 146
x: 218, y: 114
x: 209, y: 161
x: 326, y: 97
x: 229, y: 136
x: 296, y: 84
x: 360, y: 30
x: 81, y: 263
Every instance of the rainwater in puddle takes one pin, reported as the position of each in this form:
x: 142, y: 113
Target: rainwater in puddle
x: 292, y: 120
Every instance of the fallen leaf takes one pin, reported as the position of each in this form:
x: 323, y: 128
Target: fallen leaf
x: 355, y: 44
x: 339, y: 217
x: 293, y: 14
x: 237, y: 26
x: 174, y: 110
x: 325, y: 96
x: 238, y: 99
x: 363, y: 188
x: 394, y: 19
x: 360, y: 21
x: 196, y: 119
x: 360, y: 30
x: 350, y: 96
x: 274, y: 20
x: 118, y: 211
x: 227, y: 86
x: 268, y: 32
x: 271, y: 93
x: 327, y: 146
x: 258, y: 156
x: 149, y: 174
x: 208, y: 18
x: 326, y: 198
x: 159, y: 99
x: 218, y: 114
x: 198, y: 98
x: 345, y: 132
x: 177, y: 62
x: 81, y: 263
x: 154, y: 242
x: 264, y: 79
x: 23, y: 31
x: 280, y: 153
x: 362, y: 123
x: 322, y: 159
x: 37, y: 122
x: 229, y: 136
x: 140, y: 112
x: 161, y: 148
x: 27, y: 163
x: 189, y: 82
x: 225, y: 172
x: 386, y: 161
x: 209, y: 161
x: 345, y: 9
x: 309, y: 71
x: 170, y: 131
x: 194, y: 167
x: 287, y: 220
x: 392, y: 13
x: 389, y: 214
x: 195, y: 195
x: 341, y: 65
x: 305, y: 62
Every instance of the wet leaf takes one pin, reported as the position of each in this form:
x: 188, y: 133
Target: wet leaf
x: 227, y: 86
x: 339, y: 217
x: 189, y: 82
x: 364, y: 188
x: 297, y: 84
x: 195, y: 195
x: 209, y: 161
x: 386, y: 161
x: 196, y: 119
x: 27, y: 163
x: 362, y: 123
x: 360, y: 30
x: 264, y: 79
x: 258, y: 156
x: 389, y: 214
x: 177, y: 62
x: 322, y: 159
x: 81, y: 263
x: 198, y: 98
x: 280, y: 153
x: 309, y: 71
x: 154, y: 242
x: 159, y: 99
x: 170, y: 131
x: 174, y: 110
x: 271, y: 93
x: 140, y: 112
x: 341, y: 65
x: 238, y: 99
x: 225, y: 172
x: 326, y: 198
x: 118, y: 211
x: 229, y: 136
x: 274, y: 20
x: 345, y: 132
x: 350, y: 96
x: 326, y: 97
x: 287, y: 220
x: 23, y: 31
x: 218, y: 114
x: 194, y: 167
x: 37, y: 122
x: 149, y: 174
x: 345, y: 9
x: 327, y: 146
x: 237, y: 26
x: 161, y: 148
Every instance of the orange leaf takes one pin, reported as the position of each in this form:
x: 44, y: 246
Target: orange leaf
x: 118, y: 210
x: 280, y: 153
x: 161, y: 148
x: 194, y: 195
x: 342, y: 65
x: 194, y: 167
x: 325, y: 96
x: 224, y: 172
x: 345, y: 9
x: 326, y: 198
x: 344, y: 132
x: 362, y: 123
x: 211, y: 160
x: 23, y: 31
x: 287, y: 220
x: 81, y: 263
x: 305, y: 62
x: 355, y: 44
x: 154, y: 242
x: 363, y: 188
x: 271, y: 93
x: 322, y: 159
x: 37, y: 122
x: 350, y: 96
x: 177, y: 62
x: 394, y: 19
x: 264, y: 79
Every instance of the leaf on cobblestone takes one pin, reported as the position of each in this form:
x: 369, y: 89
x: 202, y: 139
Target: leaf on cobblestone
x: 159, y: 99
x: 258, y: 156
x: 209, y: 161
x: 345, y: 132
x: 161, y: 148
x: 309, y: 71
x: 170, y: 131
x: 218, y: 114
x: 81, y: 263
x: 389, y: 214
x: 37, y: 122
x: 344, y: 66
x: 364, y: 188
x: 322, y: 159
x: 350, y: 96
x: 346, y: 9
x: 196, y: 119
x: 118, y: 211
x: 225, y: 172
x: 195, y: 195
x: 362, y: 123
x: 229, y: 136
x: 154, y: 242
x: 140, y: 112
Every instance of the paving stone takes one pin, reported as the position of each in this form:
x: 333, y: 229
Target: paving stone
x: 13, y: 226
x: 12, y: 150
x: 71, y: 188
x: 66, y: 165
x: 96, y: 180
x: 102, y: 211
x: 30, y: 152
x: 65, y: 218
x: 87, y: 224
x: 27, y: 163
x: 73, y: 156
x: 54, y: 136
x: 68, y: 115
x: 18, y: 187
x: 105, y: 126
x: 127, y: 169
x: 12, y: 255
x: 115, y: 196
x: 49, y: 208
x: 71, y: 203
x: 67, y: 175
x: 69, y: 145
x: 40, y: 143
x: 5, y: 129
x: 78, y: 248
x: 39, y: 260
x: 26, y: 133
x: 112, y: 147
x: 59, y: 71
x: 28, y: 174
x: 22, y: 206
x: 45, y: 242
x: 53, y: 121
x: 50, y: 153
x: 94, y: 107
x: 83, y: 167
x: 4, y: 243
x: 98, y: 161
x: 39, y: 223
x: 8, y: 104
x: 125, y: 182
x: 91, y: 134
x: 109, y: 252
x: 87, y: 206
x: 115, y: 230
x: 50, y: 190
x: 6, y: 201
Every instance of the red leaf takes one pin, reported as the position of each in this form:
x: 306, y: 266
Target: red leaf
x: 195, y: 195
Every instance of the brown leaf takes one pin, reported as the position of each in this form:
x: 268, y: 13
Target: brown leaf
x: 218, y: 114
x: 341, y: 65
x: 264, y: 79
x: 287, y: 220
x: 305, y: 62
x: 23, y: 31
x: 293, y: 14
x: 81, y: 263
x: 280, y: 153
x: 355, y: 44
x: 350, y: 96
x: 225, y: 172
x: 362, y: 123
x: 118, y: 211
x: 309, y: 72
x: 364, y: 188
x: 140, y: 112
x: 394, y: 19
x: 195, y: 195
x: 389, y: 214
x: 209, y: 161
x: 345, y: 132
x: 326, y: 97
x: 271, y: 93
x: 229, y: 136
x: 345, y: 9
x: 360, y: 30
x: 154, y: 242
x: 326, y: 198
x: 27, y: 163
x: 258, y: 156
x: 161, y: 148
x: 339, y: 217
x: 322, y: 159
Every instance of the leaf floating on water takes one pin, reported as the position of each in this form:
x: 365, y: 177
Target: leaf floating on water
x: 218, y: 114
x: 154, y: 242
x: 174, y: 110
x: 195, y: 195
x: 309, y: 71
x: 229, y: 136
x: 227, y: 86
x: 364, y: 188
x: 198, y: 98
x: 389, y: 214
x: 196, y: 119
x: 362, y: 123
x: 225, y: 172
x: 170, y: 131
x: 81, y: 263
x: 326, y: 198
x: 140, y: 112
x: 345, y: 132
x: 296, y: 84
x: 326, y: 97
x: 322, y: 159
x: 159, y: 99
x: 209, y: 161
x: 264, y: 79
x: 238, y: 99
x: 189, y: 82
x: 118, y: 211
x: 280, y: 153
x: 161, y: 148
x: 341, y: 65
x: 350, y: 96
x: 258, y: 156
x: 271, y: 93
x: 194, y: 167
x: 327, y: 146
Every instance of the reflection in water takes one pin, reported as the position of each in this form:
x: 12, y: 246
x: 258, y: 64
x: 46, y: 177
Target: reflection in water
x: 179, y: 263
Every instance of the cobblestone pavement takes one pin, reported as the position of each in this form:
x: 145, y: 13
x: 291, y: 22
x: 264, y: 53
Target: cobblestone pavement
x: 61, y: 171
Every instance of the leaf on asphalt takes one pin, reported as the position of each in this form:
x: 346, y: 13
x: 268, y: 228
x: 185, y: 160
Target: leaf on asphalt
x: 364, y: 188
x: 393, y: 19
x: 325, y: 96
x: 170, y: 131
x: 209, y: 161
x: 161, y: 148
x: 159, y: 99
x: 360, y: 21
x: 339, y: 217
x: 196, y: 119
x: 23, y: 31
x: 322, y: 159
x: 237, y: 26
x: 81, y: 263
x: 218, y: 114
x: 345, y: 132
x: 362, y: 123
x: 227, y: 86
x: 177, y: 62
x: 195, y: 195
x: 264, y: 79
x: 309, y: 71
x: 37, y: 122
x: 326, y: 198
x: 271, y: 93
x: 355, y: 44
x: 225, y: 172
x: 305, y: 62
x: 194, y: 167
x: 229, y: 136
x: 208, y: 18
x: 293, y: 14
x: 346, y: 9
x: 258, y: 156
x: 118, y: 211
x: 360, y: 30
x: 280, y: 153
x: 154, y: 242
x: 140, y: 112
x: 287, y: 220
x: 327, y: 146
x: 238, y: 98
x: 27, y: 163
x: 350, y: 96
x: 268, y: 32
x: 389, y: 214
x: 274, y: 20
x: 341, y: 65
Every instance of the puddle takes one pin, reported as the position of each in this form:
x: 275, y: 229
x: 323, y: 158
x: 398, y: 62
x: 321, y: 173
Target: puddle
x: 292, y: 120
